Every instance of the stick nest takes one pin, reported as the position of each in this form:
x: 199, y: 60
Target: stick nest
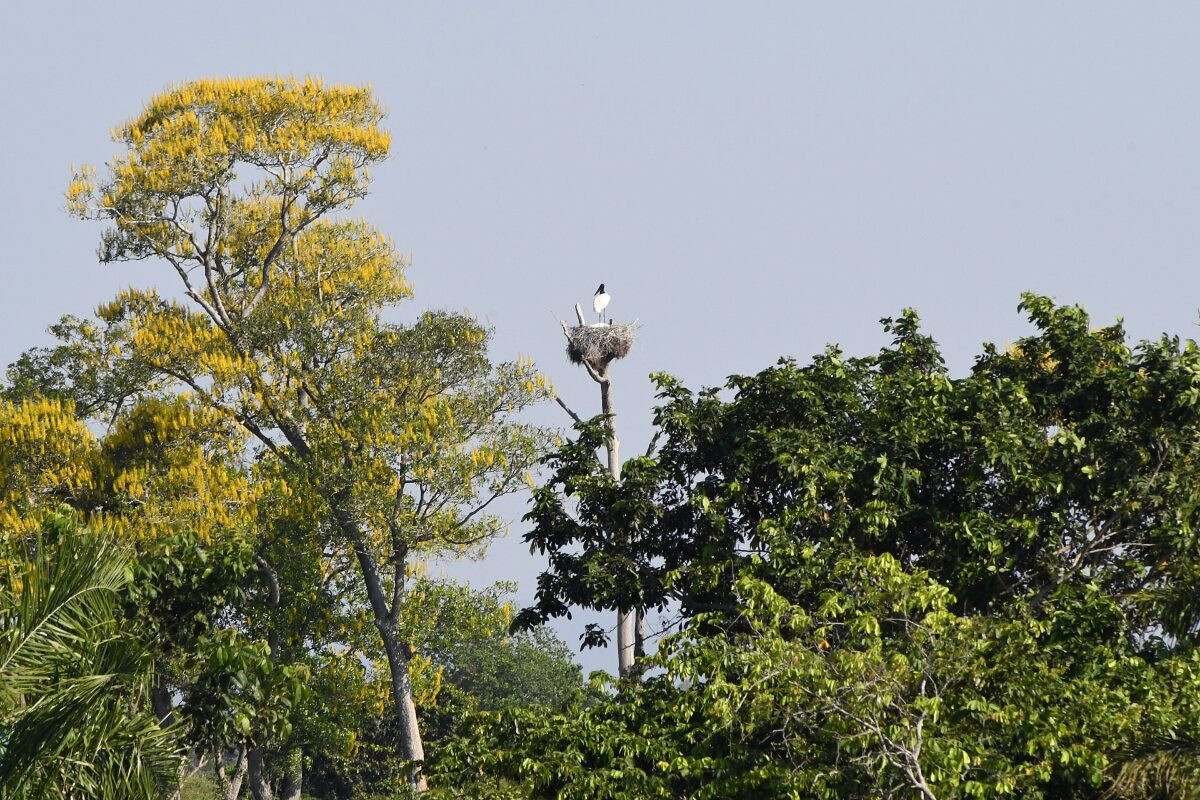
x: 598, y: 345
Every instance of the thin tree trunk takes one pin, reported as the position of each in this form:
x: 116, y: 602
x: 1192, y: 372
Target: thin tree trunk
x: 160, y: 704
x: 610, y: 420
x: 387, y: 623
x: 639, y: 635
x: 260, y: 786
x: 273, y: 597
x: 232, y: 785
x: 260, y: 783
x: 406, y: 707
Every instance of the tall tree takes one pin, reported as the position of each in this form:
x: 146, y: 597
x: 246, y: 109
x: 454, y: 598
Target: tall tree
x: 402, y: 433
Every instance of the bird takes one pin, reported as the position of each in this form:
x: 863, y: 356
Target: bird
x: 600, y: 302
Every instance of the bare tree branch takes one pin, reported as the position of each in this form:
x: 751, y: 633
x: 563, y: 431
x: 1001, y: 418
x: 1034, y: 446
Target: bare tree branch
x: 566, y: 408
x: 650, y: 448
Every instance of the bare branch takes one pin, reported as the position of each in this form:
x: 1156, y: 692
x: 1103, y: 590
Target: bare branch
x: 566, y: 408
x: 650, y: 448
x: 599, y: 378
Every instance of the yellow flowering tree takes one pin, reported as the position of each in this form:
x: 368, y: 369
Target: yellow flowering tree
x: 46, y: 459
x: 401, y: 434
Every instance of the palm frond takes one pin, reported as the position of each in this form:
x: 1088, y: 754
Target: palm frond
x: 71, y: 678
x: 1166, y: 768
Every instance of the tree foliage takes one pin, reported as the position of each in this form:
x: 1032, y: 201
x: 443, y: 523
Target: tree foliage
x: 476, y: 665
x: 397, y: 435
x: 70, y: 677
x: 891, y: 581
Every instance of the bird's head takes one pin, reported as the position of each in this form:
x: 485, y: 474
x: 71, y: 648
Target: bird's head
x: 601, y: 289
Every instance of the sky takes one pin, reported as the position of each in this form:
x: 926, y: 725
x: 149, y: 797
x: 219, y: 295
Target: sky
x: 750, y: 180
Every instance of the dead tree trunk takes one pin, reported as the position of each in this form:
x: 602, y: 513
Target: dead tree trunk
x: 626, y: 624
x: 639, y: 635
x: 625, y: 616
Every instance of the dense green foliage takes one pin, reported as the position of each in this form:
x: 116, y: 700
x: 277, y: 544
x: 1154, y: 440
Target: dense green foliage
x: 892, y: 582
x: 464, y: 631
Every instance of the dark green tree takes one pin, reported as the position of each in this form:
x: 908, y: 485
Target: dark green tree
x: 892, y: 582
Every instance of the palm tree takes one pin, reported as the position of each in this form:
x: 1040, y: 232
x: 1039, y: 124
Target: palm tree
x: 1167, y: 768
x: 72, y: 683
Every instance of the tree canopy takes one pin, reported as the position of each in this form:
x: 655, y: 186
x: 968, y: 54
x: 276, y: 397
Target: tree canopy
x: 400, y: 435
x: 891, y: 581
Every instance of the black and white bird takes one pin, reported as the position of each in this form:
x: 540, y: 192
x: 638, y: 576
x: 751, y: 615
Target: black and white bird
x: 600, y: 302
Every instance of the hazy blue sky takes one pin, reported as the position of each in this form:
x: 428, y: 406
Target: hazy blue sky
x: 750, y: 180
